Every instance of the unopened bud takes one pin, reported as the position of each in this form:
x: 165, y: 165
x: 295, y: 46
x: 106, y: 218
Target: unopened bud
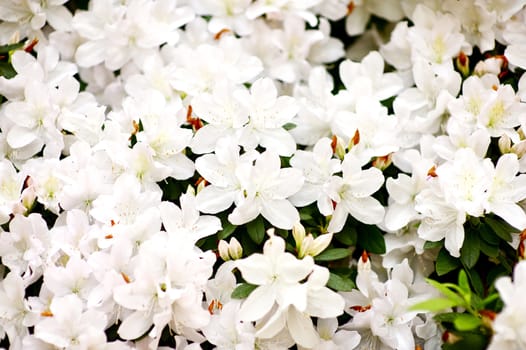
x: 462, y: 64
x: 505, y: 144
x: 298, y: 232
x: 338, y: 147
x: 383, y: 163
x: 319, y: 244
x: 235, y: 249
x: 223, y: 250
x: 519, y: 149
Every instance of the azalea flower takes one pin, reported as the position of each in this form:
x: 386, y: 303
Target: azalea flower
x: 277, y: 275
x: 352, y: 194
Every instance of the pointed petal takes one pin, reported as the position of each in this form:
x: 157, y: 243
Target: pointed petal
x: 258, y: 303
x: 135, y: 325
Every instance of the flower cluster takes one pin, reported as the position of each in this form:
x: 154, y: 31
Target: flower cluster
x: 262, y: 174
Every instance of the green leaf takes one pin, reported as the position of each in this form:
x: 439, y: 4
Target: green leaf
x: 463, y: 282
x: 489, y: 249
x: 431, y: 245
x: 488, y: 235
x: 446, y: 317
x: 340, y: 283
x: 332, y: 254
x: 470, y: 251
x: 476, y: 282
x: 445, y: 263
x: 7, y: 70
x: 227, y: 230
x: 256, y: 230
x: 242, y: 291
x: 347, y: 236
x: 11, y: 47
x: 289, y: 126
x: 371, y: 239
x: 501, y: 228
x: 448, y: 293
x: 466, y: 322
x: 434, y: 305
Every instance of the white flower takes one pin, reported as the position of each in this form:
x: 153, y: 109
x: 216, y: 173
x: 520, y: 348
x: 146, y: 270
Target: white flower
x: 70, y: 326
x: 506, y: 190
x: 440, y: 220
x: 265, y: 190
x: 370, y: 73
x: 352, y: 194
x: 278, y: 275
x: 15, y: 313
x: 24, y: 247
x: 224, y: 114
x: 359, y: 12
x: 219, y: 170
x: 318, y: 167
x: 268, y: 114
x: 436, y: 37
x: 186, y: 220
x: 116, y: 34
x: 510, y: 331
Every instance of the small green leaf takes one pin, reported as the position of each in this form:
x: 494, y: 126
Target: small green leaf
x: 445, y: 263
x: 466, y: 322
x: 340, y: 283
x: 434, y: 305
x: 242, y: 291
x: 488, y: 235
x: 347, y: 236
x: 489, y: 249
x: 289, y: 126
x: 333, y: 254
x: 448, y: 293
x: 371, y: 239
x: 11, y: 47
x: 446, y: 317
x: 431, y: 245
x: 463, y: 282
x: 256, y: 230
x: 501, y: 228
x: 470, y: 251
x: 476, y: 282
x: 7, y: 70
x: 227, y: 230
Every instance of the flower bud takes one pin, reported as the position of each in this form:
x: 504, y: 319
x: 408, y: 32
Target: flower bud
x: 223, y: 250
x: 505, y: 144
x: 319, y: 244
x: 298, y: 232
x: 462, y: 64
x: 235, y: 249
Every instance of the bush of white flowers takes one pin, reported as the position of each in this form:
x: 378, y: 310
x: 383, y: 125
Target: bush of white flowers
x: 262, y: 174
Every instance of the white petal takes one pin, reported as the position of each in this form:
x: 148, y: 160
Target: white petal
x: 135, y: 325
x: 325, y: 303
x: 90, y: 54
x: 213, y: 200
x: 258, y: 303
x: 19, y: 136
x: 301, y: 328
x: 255, y: 269
x: 280, y: 213
x: 367, y: 210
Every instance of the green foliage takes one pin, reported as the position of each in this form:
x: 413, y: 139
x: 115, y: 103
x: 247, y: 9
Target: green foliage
x: 371, y: 239
x: 340, y: 282
x: 333, y: 254
x: 242, y: 291
x: 445, y: 263
x: 256, y: 230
